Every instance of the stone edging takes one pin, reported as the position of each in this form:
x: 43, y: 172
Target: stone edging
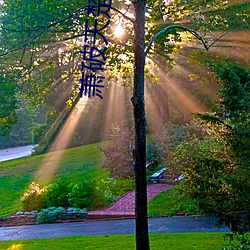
x: 30, y: 219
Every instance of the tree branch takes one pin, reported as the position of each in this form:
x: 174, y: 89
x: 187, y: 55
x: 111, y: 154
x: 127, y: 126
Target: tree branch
x: 42, y: 29
x: 166, y: 29
x: 124, y: 15
x: 218, y: 38
x: 37, y: 28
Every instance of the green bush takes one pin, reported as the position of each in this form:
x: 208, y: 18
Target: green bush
x: 216, y: 168
x: 123, y: 185
x: 57, y: 193
x: 78, y: 210
x: 88, y: 193
x: 103, y: 195
x: 109, y: 189
x: 242, y: 241
x: 81, y: 194
x: 33, y: 198
x: 48, y: 215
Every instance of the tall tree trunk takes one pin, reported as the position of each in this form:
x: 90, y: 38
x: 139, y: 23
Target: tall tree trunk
x: 139, y: 152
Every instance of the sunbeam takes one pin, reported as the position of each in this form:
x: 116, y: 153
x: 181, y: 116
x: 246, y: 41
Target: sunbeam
x: 51, y: 161
x: 115, y: 109
x: 170, y: 100
x: 171, y: 93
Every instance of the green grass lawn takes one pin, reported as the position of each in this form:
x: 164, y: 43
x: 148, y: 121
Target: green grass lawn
x: 16, y: 175
x: 170, y: 241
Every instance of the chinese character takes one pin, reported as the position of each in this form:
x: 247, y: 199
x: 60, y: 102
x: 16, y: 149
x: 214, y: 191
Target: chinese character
x: 90, y: 56
x: 95, y: 31
x: 95, y: 8
x: 90, y: 83
x: 93, y: 58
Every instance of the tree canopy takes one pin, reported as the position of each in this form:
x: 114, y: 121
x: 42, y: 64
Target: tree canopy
x: 41, y: 40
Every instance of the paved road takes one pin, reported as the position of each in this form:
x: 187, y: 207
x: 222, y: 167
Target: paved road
x: 14, y: 153
x: 156, y: 225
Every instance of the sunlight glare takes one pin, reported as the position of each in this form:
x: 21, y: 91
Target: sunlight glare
x: 16, y: 247
x: 119, y: 31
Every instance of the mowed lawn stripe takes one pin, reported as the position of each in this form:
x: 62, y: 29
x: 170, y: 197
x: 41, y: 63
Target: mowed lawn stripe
x: 170, y: 241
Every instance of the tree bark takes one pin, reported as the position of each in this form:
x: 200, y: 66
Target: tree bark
x: 139, y: 151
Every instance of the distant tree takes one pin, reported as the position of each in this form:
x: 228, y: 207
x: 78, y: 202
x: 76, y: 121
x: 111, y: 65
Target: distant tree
x: 8, y: 105
x: 165, y: 142
x: 118, y: 158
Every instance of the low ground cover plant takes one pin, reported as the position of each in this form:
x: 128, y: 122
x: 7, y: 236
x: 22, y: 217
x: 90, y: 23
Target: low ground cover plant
x: 51, y: 214
x: 48, y: 215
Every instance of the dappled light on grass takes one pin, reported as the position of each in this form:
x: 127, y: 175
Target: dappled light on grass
x: 51, y: 161
x: 15, y: 247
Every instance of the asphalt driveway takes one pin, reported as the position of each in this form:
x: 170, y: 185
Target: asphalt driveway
x: 156, y: 225
x: 17, y: 152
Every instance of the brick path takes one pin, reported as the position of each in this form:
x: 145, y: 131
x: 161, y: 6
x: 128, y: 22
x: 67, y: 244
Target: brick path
x: 124, y: 207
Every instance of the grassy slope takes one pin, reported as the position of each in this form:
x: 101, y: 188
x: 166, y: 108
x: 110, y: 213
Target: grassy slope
x: 16, y: 175
x: 169, y: 203
x: 173, y: 241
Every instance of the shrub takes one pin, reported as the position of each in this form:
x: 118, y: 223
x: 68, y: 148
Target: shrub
x: 81, y: 194
x: 48, y: 215
x: 123, y: 185
x: 33, y: 197
x: 166, y: 141
x: 73, y: 209
x: 216, y: 168
x: 152, y: 155
x: 103, y: 194
x: 209, y: 181
x: 57, y: 193
x: 109, y: 189
x: 38, y: 131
